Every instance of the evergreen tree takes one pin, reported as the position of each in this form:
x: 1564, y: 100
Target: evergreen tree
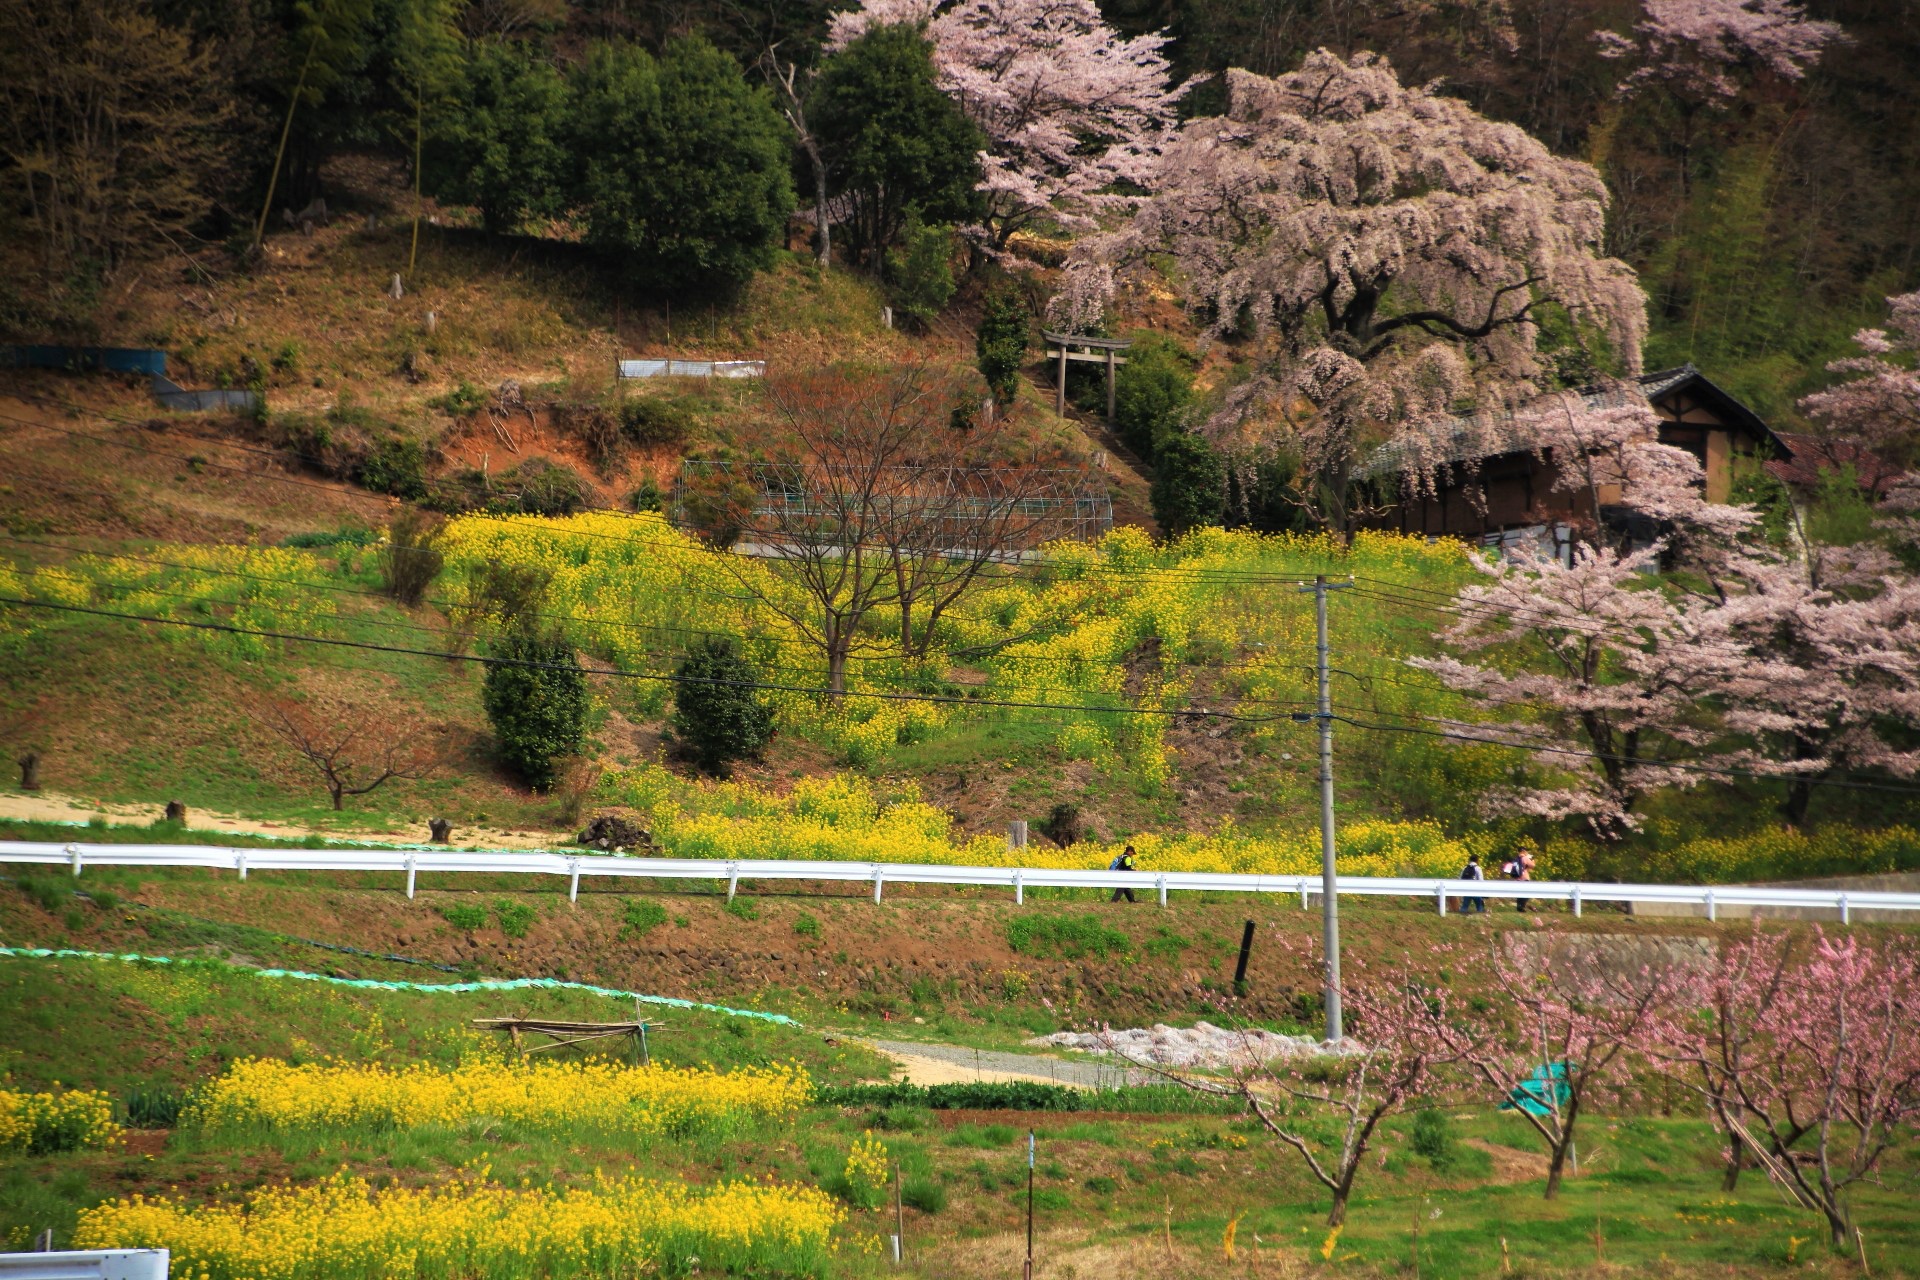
x: 921, y: 273
x: 503, y: 150
x: 715, y: 709
x: 1001, y: 341
x: 1150, y: 392
x: 538, y: 710
x: 894, y: 142
x: 684, y: 168
x: 1189, y: 484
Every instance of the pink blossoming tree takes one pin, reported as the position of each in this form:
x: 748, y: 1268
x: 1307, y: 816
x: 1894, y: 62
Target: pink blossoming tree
x: 1811, y: 1066
x: 1621, y: 665
x: 1835, y: 639
x: 1879, y: 406
x: 1578, y: 1018
x: 1074, y: 113
x: 1387, y: 245
x: 1410, y: 1051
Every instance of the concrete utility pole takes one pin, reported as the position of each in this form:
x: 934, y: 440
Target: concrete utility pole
x: 1329, y: 899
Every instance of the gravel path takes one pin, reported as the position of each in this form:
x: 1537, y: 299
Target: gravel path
x: 987, y: 1064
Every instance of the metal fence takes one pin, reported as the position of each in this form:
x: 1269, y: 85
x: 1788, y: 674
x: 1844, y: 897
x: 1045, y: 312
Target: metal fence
x: 411, y: 862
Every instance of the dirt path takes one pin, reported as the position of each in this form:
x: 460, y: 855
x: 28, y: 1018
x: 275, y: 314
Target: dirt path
x: 956, y: 1064
x: 52, y: 806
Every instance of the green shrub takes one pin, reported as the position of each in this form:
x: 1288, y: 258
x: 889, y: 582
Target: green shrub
x: 921, y: 272
x: 1049, y: 1198
x: 1165, y: 944
x: 640, y: 916
x: 716, y: 711
x: 515, y: 917
x: 463, y: 400
x: 465, y: 915
x: 1069, y: 937
x: 396, y: 465
x: 1001, y: 341
x: 655, y: 420
x: 49, y: 893
x: 153, y: 1107
x: 1432, y: 1137
x: 646, y: 496
x: 1189, y: 484
x: 1151, y: 393
x: 743, y: 909
x: 806, y: 926
x: 1101, y: 1185
x: 545, y: 488
x: 539, y: 710
x: 924, y: 1194
x: 411, y: 559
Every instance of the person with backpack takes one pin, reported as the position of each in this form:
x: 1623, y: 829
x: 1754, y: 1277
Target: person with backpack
x: 1472, y: 871
x: 1122, y: 862
x: 1520, y: 867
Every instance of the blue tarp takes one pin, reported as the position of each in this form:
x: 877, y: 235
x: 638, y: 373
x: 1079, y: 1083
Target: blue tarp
x: 1543, y: 1093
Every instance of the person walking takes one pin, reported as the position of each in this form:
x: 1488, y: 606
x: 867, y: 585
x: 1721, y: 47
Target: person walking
x: 1122, y: 862
x: 1472, y: 871
x: 1522, y: 865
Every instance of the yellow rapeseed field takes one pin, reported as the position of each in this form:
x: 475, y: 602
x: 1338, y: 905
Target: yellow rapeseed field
x: 56, y: 1121
x: 344, y: 1229
x: 570, y: 1097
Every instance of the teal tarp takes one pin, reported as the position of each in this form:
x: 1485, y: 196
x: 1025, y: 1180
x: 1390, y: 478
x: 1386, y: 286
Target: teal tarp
x: 1542, y: 1093
x: 373, y: 984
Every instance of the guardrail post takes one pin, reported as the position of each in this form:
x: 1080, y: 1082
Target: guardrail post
x: 1019, y: 888
x: 733, y: 879
x: 1846, y: 912
x: 1440, y: 897
x: 1713, y: 912
x: 1163, y: 889
x: 1576, y: 900
x: 73, y: 855
x: 409, y: 877
x: 573, y: 883
x: 241, y: 862
x: 1303, y: 893
x: 878, y: 877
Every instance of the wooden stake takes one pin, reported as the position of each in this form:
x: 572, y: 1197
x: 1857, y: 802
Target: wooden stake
x: 899, y: 1217
x: 1029, y: 1272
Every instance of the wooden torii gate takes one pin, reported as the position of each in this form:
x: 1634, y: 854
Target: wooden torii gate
x: 1072, y: 346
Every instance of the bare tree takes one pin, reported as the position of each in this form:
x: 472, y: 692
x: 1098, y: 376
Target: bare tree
x: 881, y: 497
x: 116, y: 131
x: 353, y: 750
x: 793, y: 105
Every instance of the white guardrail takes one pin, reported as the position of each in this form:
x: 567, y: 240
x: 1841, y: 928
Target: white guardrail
x: 100, y: 1264
x: 411, y: 862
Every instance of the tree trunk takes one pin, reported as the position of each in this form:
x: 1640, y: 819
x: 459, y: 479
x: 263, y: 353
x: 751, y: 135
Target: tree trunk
x: 1736, y: 1159
x: 336, y: 790
x: 29, y: 771
x: 1556, y: 1165
x: 837, y: 668
x: 822, y: 235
